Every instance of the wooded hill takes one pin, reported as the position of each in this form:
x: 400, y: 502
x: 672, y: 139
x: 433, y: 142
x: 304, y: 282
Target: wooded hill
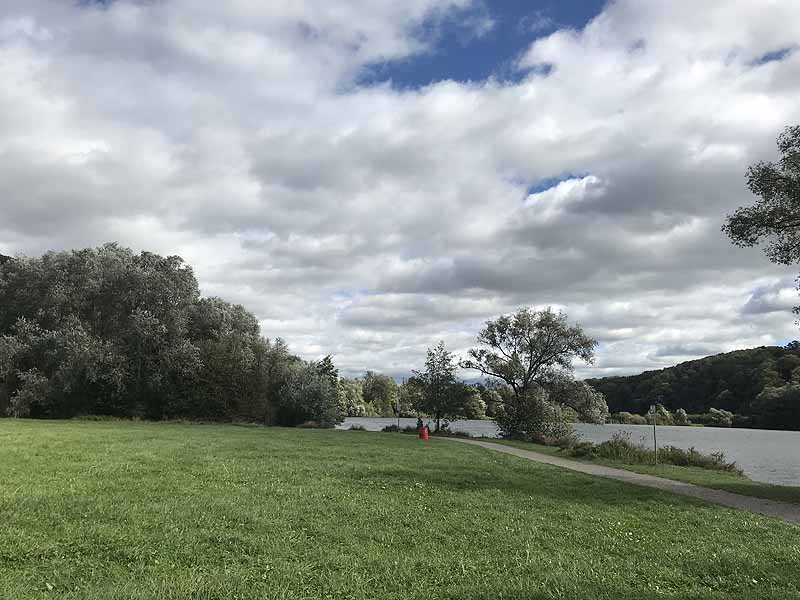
x: 761, y: 386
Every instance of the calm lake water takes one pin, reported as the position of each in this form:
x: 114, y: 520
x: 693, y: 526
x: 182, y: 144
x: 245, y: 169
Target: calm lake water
x: 770, y: 456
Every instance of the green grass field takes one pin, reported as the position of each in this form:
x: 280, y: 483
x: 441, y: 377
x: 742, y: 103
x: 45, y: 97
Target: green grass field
x: 721, y: 480
x: 134, y: 510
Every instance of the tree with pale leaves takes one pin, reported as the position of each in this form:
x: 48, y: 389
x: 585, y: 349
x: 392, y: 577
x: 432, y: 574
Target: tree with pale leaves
x: 532, y: 352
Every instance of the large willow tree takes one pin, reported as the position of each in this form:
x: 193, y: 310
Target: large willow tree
x: 532, y: 353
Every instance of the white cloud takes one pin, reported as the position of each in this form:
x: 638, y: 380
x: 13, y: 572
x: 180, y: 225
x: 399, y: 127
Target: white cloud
x: 370, y: 222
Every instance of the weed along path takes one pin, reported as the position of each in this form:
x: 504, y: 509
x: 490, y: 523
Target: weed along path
x: 790, y: 513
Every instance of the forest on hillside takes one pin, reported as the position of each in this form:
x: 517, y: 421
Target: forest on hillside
x: 760, y: 386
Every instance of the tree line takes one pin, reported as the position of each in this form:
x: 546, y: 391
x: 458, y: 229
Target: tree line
x: 530, y: 390
x: 106, y: 331
x: 758, y: 387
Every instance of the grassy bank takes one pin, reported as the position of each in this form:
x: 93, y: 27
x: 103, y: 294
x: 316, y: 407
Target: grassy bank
x: 721, y: 480
x: 134, y: 510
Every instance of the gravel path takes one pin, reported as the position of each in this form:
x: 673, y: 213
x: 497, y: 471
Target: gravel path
x: 789, y: 513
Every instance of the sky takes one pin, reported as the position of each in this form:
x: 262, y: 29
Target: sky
x: 370, y: 177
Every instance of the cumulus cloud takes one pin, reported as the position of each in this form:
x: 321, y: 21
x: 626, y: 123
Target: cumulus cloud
x: 370, y: 222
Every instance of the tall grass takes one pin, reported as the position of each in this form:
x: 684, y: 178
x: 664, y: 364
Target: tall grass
x: 620, y: 448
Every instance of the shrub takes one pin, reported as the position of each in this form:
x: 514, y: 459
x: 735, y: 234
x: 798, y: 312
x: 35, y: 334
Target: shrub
x: 311, y: 394
x: 532, y: 416
x: 694, y: 458
x: 720, y: 418
x: 583, y: 450
x: 474, y: 406
x: 34, y: 389
x: 663, y: 416
x: 314, y: 425
x: 449, y: 433
x: 620, y: 448
x: 681, y: 418
x: 627, y: 418
x: 567, y: 440
x: 395, y: 429
x: 357, y: 428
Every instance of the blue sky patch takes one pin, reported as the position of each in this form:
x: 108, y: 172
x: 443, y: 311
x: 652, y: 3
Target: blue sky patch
x: 775, y: 55
x: 464, y: 50
x: 551, y: 182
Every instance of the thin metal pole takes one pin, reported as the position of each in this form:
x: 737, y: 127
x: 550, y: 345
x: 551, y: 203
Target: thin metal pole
x: 397, y: 405
x: 655, y: 440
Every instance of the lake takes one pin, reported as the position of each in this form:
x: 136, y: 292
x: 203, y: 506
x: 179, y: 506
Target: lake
x: 769, y: 456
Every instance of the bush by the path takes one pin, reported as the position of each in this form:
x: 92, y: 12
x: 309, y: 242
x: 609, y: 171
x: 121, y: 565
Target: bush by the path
x: 621, y: 448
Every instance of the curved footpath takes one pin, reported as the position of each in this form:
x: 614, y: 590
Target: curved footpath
x: 789, y: 513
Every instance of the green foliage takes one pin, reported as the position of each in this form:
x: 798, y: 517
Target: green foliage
x: 310, y: 395
x: 381, y: 393
x: 352, y: 397
x: 662, y: 416
x: 531, y: 352
x: 532, y: 416
x: 410, y: 394
x: 528, y: 348
x: 474, y: 406
x: 491, y: 399
x: 33, y: 386
x: 731, y: 382
x: 720, y: 417
x: 681, y: 418
x: 627, y: 418
x: 620, y: 448
x: 105, y: 331
x: 775, y: 216
x: 774, y: 407
x: 442, y: 397
x: 576, y: 398
x: 395, y: 429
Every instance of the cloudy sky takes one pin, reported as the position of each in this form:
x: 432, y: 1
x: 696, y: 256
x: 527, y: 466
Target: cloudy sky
x: 370, y: 176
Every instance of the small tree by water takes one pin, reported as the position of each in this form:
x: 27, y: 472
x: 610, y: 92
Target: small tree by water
x: 532, y: 353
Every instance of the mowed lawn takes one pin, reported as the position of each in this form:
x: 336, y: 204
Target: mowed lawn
x: 131, y: 510
x: 720, y: 480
